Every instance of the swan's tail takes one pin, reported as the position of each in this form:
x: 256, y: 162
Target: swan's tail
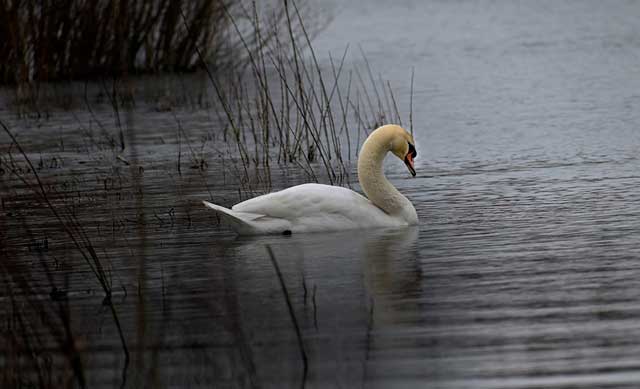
x: 241, y: 222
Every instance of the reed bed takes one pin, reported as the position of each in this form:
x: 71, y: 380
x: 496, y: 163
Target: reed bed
x: 279, y: 103
x: 78, y: 39
x: 285, y: 107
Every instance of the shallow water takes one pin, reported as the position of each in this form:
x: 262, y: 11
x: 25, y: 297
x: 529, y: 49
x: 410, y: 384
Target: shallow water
x: 523, y: 272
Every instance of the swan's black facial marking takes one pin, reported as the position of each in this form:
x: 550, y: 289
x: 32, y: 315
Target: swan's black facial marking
x: 412, y: 150
x: 408, y: 159
x: 286, y: 232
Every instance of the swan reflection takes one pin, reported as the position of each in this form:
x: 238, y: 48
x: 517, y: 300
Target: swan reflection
x: 343, y: 286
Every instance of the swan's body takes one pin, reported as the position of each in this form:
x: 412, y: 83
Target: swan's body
x: 317, y: 207
x: 306, y: 208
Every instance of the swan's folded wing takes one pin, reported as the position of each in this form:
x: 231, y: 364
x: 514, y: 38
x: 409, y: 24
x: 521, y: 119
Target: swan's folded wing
x: 245, y: 216
x: 249, y: 223
x: 314, y: 201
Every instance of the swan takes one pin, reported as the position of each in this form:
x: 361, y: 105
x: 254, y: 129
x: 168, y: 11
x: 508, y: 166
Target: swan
x: 317, y: 207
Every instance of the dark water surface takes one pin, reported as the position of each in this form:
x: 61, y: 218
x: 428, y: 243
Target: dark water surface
x: 523, y: 273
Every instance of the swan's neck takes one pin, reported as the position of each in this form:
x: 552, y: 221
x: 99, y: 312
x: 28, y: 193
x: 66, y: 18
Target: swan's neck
x: 375, y: 185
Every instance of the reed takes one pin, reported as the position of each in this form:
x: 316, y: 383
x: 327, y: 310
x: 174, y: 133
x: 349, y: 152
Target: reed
x: 78, y: 39
x: 292, y: 315
x: 286, y: 107
x: 68, y: 222
x: 24, y: 357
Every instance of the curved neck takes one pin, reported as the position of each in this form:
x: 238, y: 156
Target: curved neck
x: 372, y: 180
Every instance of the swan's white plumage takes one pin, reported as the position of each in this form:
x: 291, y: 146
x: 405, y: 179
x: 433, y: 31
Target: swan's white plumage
x: 317, y: 207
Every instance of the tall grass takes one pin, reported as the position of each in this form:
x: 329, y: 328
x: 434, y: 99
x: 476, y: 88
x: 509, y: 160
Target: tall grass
x: 286, y: 107
x: 78, y: 39
x: 280, y: 103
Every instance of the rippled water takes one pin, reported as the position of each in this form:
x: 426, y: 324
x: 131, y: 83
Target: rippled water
x: 523, y: 273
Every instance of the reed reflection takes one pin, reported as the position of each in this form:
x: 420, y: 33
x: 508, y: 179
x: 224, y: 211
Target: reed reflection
x: 343, y: 287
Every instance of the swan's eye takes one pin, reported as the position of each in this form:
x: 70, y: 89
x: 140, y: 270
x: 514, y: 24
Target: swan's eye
x: 412, y: 150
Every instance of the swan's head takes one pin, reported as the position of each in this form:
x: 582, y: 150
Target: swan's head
x: 402, y: 145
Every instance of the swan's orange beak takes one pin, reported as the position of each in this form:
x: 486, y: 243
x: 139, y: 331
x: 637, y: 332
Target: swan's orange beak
x: 408, y: 160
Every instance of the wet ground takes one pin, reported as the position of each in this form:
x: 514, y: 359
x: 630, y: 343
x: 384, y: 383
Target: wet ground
x: 523, y: 272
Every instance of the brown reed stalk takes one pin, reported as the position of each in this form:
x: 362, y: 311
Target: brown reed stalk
x: 77, y: 39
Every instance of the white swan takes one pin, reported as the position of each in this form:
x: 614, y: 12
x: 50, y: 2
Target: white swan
x: 316, y: 207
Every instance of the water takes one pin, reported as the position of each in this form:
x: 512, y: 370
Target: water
x: 523, y: 272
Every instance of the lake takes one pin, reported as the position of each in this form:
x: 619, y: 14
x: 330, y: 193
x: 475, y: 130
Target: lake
x: 524, y: 271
